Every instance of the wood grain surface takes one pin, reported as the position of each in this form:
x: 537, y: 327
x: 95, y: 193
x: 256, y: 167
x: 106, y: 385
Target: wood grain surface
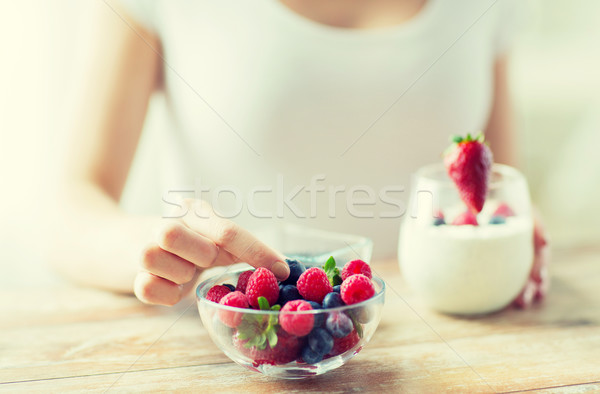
x: 58, y: 337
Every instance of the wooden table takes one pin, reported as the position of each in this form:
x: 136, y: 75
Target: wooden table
x: 57, y: 337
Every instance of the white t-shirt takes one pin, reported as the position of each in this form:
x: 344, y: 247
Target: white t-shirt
x: 260, y: 98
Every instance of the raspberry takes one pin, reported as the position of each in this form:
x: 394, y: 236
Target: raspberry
x: 262, y: 283
x: 243, y: 281
x: 503, y: 210
x: 357, y: 288
x: 356, y: 267
x: 236, y: 299
x: 342, y: 345
x: 217, y: 292
x: 296, y: 324
x: 313, y: 284
x: 465, y: 218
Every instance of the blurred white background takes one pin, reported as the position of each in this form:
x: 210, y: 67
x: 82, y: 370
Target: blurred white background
x: 555, y: 83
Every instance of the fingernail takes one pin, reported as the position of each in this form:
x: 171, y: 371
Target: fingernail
x: 281, y: 270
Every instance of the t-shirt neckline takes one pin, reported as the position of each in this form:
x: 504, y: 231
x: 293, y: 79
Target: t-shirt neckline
x: 410, y: 26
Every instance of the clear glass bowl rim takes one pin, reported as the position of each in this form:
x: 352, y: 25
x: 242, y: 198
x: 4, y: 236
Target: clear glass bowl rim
x: 212, y: 280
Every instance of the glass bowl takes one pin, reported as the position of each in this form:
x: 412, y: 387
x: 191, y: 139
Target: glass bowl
x: 314, y: 247
x: 284, y: 360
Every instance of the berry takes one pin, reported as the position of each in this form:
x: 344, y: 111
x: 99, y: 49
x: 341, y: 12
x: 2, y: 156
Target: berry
x: 468, y: 163
x: 362, y: 314
x: 339, y: 324
x: 217, y: 292
x: 236, y: 299
x: 342, y: 345
x: 332, y: 300
x: 310, y: 356
x: 466, y: 217
x: 337, y: 288
x: 296, y: 324
x: 503, y: 210
x: 439, y: 221
x: 288, y: 293
x: 320, y: 341
x: 356, y: 267
x: 438, y: 218
x: 497, y: 220
x: 286, y: 350
x: 243, y: 281
x: 319, y: 317
x: 230, y: 287
x: 296, y: 269
x: 313, y: 284
x: 262, y: 283
x: 357, y: 288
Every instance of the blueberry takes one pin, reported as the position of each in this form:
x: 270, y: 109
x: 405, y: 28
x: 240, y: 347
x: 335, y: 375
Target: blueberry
x: 310, y: 356
x: 288, y: 293
x: 319, y: 317
x: 337, y: 288
x: 296, y: 269
x: 339, y: 324
x: 230, y: 287
x: 439, y: 221
x: 332, y: 300
x: 497, y: 220
x: 320, y: 341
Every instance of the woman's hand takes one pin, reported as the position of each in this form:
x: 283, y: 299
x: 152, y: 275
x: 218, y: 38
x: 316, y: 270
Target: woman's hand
x: 198, y: 240
x: 538, y: 283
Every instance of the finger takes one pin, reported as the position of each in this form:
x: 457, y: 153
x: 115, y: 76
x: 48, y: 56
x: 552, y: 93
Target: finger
x: 182, y: 241
x: 525, y: 298
x: 234, y: 239
x: 167, y: 265
x: 152, y: 289
x: 539, y: 232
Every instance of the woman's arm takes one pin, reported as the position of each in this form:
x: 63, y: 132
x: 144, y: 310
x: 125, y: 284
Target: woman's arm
x: 92, y: 241
x: 500, y: 131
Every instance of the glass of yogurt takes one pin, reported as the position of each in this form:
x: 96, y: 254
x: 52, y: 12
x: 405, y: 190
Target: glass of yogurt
x: 467, y: 269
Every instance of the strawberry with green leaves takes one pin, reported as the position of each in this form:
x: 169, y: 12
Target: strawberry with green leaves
x: 468, y: 162
x: 260, y: 338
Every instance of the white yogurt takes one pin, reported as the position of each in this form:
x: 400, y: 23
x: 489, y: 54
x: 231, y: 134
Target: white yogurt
x: 467, y: 269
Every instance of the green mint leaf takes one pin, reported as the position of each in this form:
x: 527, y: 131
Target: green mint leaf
x: 337, y: 279
x: 357, y: 325
x: 332, y: 272
x: 329, y: 264
x: 276, y: 307
x: 272, y: 337
x: 263, y: 304
x: 262, y: 341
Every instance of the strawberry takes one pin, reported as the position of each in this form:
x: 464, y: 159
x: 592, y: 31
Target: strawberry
x: 261, y: 338
x: 468, y: 162
x: 287, y: 349
x: 341, y: 345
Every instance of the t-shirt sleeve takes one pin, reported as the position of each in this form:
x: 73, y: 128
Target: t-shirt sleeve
x: 142, y: 11
x: 513, y: 17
